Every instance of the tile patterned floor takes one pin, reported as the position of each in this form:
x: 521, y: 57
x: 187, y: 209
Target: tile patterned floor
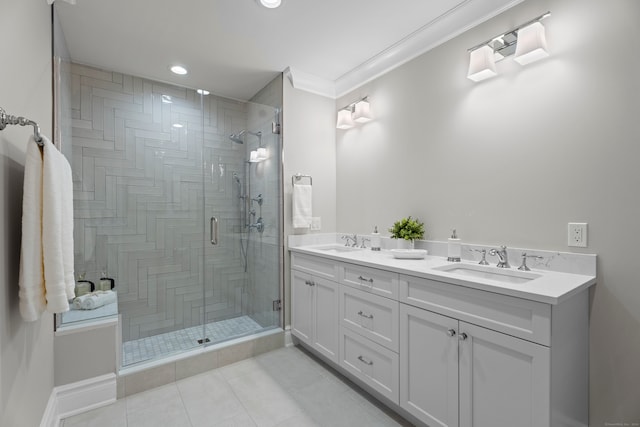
x: 172, y: 342
x: 285, y: 387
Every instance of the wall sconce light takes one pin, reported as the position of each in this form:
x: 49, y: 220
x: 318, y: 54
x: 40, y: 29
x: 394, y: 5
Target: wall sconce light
x: 356, y: 112
x: 527, y: 41
x: 262, y: 154
x: 344, y: 119
x: 482, y: 64
x: 532, y: 44
x: 362, y: 111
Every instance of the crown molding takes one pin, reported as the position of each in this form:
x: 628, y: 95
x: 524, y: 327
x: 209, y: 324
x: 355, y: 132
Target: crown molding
x: 461, y: 18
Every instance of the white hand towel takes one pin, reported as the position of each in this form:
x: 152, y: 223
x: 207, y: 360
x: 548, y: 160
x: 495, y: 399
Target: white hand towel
x: 67, y: 228
x: 55, y: 229
x: 31, y: 281
x: 97, y: 299
x: 301, y: 201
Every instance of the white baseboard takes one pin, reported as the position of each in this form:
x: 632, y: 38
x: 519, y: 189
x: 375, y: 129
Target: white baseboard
x: 78, y: 397
x: 288, y: 338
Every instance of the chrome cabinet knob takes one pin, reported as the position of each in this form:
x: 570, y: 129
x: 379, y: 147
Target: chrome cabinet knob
x: 462, y: 336
x: 451, y: 332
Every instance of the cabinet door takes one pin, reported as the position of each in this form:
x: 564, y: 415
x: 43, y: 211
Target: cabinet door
x: 301, y: 306
x: 429, y: 366
x: 504, y: 381
x: 326, y: 318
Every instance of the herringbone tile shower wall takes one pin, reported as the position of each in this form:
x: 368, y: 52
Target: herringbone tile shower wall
x: 139, y: 188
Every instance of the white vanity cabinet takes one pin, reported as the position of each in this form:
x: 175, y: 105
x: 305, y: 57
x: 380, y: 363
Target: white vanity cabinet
x: 457, y: 367
x: 314, y: 304
x: 457, y: 374
x: 449, y: 355
x: 369, y: 336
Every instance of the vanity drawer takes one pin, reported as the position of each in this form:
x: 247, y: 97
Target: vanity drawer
x: 530, y: 320
x: 376, y: 366
x: 371, y: 316
x: 318, y: 266
x: 372, y: 280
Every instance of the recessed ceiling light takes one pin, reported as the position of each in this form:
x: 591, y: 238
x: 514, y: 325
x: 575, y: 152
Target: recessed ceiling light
x: 203, y: 92
x: 178, y: 69
x: 166, y: 99
x: 271, y: 4
x: 177, y: 125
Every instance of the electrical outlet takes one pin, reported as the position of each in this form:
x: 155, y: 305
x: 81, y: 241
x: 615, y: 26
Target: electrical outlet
x: 577, y: 235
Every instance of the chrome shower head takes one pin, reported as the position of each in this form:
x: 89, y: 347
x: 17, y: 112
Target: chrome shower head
x: 237, y: 137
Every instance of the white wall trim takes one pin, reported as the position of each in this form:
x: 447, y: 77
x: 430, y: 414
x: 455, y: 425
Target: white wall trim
x: 310, y: 83
x: 50, y: 417
x: 78, y: 397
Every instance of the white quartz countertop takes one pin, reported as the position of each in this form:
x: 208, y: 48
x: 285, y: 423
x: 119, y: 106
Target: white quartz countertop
x: 549, y: 287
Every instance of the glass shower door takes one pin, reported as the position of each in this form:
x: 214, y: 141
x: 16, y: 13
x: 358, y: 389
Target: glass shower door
x: 242, y: 213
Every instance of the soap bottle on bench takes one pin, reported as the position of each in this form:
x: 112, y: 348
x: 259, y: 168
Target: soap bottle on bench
x: 106, y: 283
x: 83, y: 286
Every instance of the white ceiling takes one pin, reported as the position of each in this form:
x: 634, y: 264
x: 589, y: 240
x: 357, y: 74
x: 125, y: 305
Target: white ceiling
x: 233, y: 48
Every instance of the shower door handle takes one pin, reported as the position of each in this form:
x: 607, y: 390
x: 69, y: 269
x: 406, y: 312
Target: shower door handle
x: 213, y: 230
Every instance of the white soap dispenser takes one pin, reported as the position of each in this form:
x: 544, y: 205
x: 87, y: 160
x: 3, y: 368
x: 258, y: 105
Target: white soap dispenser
x: 375, y: 239
x: 454, y: 248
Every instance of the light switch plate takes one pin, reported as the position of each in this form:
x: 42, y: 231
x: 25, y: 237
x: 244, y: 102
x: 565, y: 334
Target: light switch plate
x: 577, y: 234
x: 316, y: 223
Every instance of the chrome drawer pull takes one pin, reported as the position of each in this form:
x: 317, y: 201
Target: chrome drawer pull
x: 368, y: 316
x: 364, y: 279
x: 363, y: 360
x: 309, y: 283
x: 451, y: 332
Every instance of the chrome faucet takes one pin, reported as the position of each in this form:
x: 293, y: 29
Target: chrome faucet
x: 503, y: 259
x: 353, y: 239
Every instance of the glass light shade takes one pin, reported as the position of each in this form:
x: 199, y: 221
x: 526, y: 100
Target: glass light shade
x: 344, y: 120
x: 482, y: 64
x: 532, y: 44
x: 262, y: 154
x: 362, y: 112
x: 253, y: 157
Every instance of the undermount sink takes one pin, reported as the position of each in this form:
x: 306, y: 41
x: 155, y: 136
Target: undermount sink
x: 477, y: 271
x: 336, y: 248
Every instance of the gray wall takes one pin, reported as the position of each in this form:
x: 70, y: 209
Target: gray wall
x: 309, y: 148
x: 512, y: 160
x: 26, y: 349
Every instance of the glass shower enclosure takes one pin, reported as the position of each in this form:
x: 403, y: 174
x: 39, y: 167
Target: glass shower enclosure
x: 177, y: 202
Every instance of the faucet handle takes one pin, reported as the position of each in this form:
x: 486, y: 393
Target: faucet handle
x: 364, y: 240
x: 524, y: 266
x: 483, y: 261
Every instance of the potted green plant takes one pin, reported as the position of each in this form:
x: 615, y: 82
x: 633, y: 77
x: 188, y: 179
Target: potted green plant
x: 407, y: 229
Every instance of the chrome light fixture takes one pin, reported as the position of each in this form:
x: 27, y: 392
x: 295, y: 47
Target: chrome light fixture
x: 355, y: 113
x: 527, y: 41
x: 532, y: 44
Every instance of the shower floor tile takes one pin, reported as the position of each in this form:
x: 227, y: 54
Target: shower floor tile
x: 157, y: 346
